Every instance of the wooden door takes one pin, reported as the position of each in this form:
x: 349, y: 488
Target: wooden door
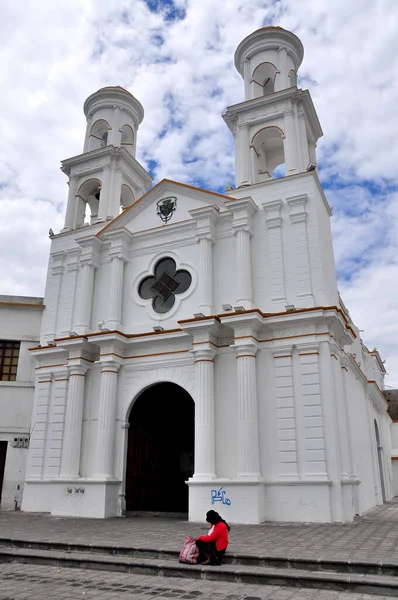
x: 3, y: 454
x: 160, y: 450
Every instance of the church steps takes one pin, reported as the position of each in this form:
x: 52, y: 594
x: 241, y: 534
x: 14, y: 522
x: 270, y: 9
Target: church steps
x: 367, y: 567
x: 306, y: 574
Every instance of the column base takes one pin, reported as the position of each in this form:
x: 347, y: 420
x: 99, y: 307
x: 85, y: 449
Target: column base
x: 237, y: 500
x: 73, y: 498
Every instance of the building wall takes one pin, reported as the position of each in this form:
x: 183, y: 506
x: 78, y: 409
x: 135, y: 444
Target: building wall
x: 17, y: 323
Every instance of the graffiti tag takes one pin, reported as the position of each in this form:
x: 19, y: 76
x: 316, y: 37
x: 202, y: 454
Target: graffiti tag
x: 220, y: 496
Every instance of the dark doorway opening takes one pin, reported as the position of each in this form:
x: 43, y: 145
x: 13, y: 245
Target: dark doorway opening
x: 3, y: 455
x: 160, y: 453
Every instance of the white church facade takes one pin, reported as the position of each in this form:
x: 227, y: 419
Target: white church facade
x: 194, y: 351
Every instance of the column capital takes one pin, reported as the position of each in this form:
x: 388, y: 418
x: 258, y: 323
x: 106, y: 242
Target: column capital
x: 285, y: 351
x: 204, y: 354
x: 61, y: 374
x: 110, y: 366
x: 79, y: 370
x: 242, y: 212
x: 245, y: 326
x: 205, y: 332
x: 120, y: 241
x: 272, y: 210
x: 297, y: 208
x: 205, y: 218
x: 72, y: 258
x: 44, y: 376
x: 57, y: 262
x: 91, y: 248
x: 246, y: 350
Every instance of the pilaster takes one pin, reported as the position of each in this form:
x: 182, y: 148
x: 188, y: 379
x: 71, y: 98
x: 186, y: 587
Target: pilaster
x: 205, y: 218
x: 246, y: 327
x: 119, y: 248
x: 300, y: 255
x: 290, y: 447
x: 205, y: 334
x: 70, y: 462
x: 274, y: 222
x: 104, y: 455
x: 331, y: 436
x: 243, y: 211
x: 88, y: 262
x: 41, y: 407
x: 56, y: 422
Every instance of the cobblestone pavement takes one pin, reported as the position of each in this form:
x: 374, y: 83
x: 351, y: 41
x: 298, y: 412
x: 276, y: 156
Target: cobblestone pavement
x: 35, y: 582
x: 373, y: 537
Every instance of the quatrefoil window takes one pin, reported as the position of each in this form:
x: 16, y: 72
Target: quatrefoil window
x: 162, y: 287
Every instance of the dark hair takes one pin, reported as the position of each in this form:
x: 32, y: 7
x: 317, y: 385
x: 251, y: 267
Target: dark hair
x: 214, y: 518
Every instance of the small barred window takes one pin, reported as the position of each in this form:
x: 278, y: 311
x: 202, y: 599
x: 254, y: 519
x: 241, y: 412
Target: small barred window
x: 9, y: 355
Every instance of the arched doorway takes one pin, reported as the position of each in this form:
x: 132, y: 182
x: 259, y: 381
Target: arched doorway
x: 379, y: 450
x: 160, y: 450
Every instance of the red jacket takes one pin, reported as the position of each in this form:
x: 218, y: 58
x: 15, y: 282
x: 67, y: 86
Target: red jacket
x: 218, y: 535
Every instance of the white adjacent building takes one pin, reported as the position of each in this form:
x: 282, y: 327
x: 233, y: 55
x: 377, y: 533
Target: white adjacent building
x: 194, y: 351
x: 20, y: 322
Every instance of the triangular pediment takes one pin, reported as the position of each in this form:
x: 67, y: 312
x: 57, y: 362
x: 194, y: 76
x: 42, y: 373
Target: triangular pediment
x: 144, y: 213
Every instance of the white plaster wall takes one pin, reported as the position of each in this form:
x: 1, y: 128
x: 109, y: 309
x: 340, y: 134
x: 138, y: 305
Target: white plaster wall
x: 16, y: 398
x: 14, y: 473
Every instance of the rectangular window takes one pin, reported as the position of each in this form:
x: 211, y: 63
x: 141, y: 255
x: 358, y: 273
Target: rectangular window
x: 9, y: 355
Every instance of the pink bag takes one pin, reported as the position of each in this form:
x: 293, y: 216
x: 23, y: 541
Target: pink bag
x: 189, y: 552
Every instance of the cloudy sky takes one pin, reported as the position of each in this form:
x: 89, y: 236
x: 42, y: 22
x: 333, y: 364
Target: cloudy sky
x: 176, y: 57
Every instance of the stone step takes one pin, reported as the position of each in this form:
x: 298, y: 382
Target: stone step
x: 264, y: 575
x: 365, y: 567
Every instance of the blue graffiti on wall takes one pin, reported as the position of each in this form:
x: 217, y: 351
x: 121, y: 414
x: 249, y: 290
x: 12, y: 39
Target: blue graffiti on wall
x: 220, y: 496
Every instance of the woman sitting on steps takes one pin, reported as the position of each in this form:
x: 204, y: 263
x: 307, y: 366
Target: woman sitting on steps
x: 212, y: 546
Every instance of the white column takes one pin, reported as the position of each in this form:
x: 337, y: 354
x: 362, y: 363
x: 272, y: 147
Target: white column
x: 70, y: 463
x: 116, y: 190
x: 71, y: 205
x: 37, y: 444
x: 84, y: 297
x: 204, y: 415
x: 273, y: 221
x: 246, y: 78
x: 244, y: 155
x: 104, y: 455
x: 248, y: 442
x: 206, y: 275
x: 330, y: 431
x: 115, y: 293
x: 290, y: 143
x: 103, y: 209
x: 244, y: 268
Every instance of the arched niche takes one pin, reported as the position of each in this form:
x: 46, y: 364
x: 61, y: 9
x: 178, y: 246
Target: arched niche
x: 263, y: 79
x: 127, y: 138
x: 269, y: 153
x: 88, y: 196
x: 99, y: 134
x: 126, y: 196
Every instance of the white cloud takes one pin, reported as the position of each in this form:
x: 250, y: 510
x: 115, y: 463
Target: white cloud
x: 182, y: 71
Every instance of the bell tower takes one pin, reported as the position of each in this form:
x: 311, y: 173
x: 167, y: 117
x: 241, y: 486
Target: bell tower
x: 276, y: 128
x: 106, y: 178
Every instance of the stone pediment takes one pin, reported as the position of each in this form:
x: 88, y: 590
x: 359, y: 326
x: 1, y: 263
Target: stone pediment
x: 167, y: 202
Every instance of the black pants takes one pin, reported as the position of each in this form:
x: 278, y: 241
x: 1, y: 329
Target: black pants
x: 208, y: 550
